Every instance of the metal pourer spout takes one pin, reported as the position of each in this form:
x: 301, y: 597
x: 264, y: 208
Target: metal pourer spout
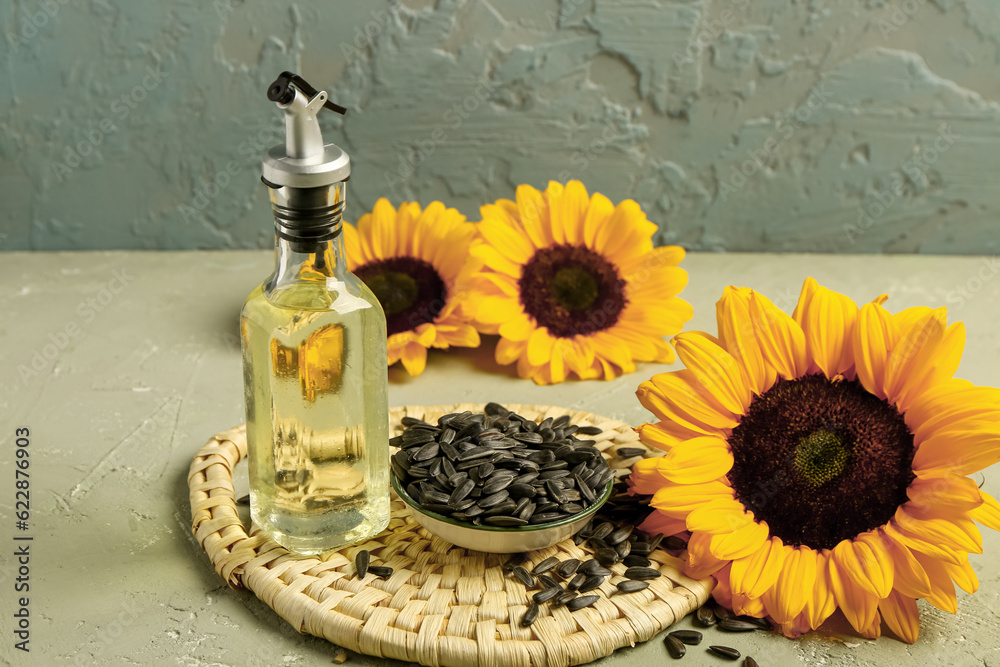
x: 301, y: 104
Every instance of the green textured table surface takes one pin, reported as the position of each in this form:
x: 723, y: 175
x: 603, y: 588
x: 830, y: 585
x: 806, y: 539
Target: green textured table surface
x: 123, y: 364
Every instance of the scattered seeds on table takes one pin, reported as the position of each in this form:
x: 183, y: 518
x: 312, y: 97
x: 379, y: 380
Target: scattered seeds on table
x: 689, y: 637
x: 590, y: 583
x: 633, y: 560
x: 361, y: 561
x: 380, y: 570
x: 674, y: 543
x: 675, y: 647
x: 581, y: 602
x: 726, y: 652
x: 720, y: 612
x: 530, y: 615
x: 514, y: 561
x: 545, y: 565
x: 523, y: 576
x: 642, y: 573
x: 749, y: 662
x: 563, y: 598
x: 546, y: 594
x: 545, y: 581
x: 734, y: 625
x: 706, y: 616
x: 630, y: 586
x: 568, y: 568
x: 606, y: 556
x: 576, y: 582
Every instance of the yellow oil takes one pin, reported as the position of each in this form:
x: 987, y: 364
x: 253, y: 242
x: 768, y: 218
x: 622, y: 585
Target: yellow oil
x: 314, y: 366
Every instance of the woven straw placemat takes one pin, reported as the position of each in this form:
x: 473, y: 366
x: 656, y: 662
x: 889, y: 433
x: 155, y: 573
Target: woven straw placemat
x: 443, y: 605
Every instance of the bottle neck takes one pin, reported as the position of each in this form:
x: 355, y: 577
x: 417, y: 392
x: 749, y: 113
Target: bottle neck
x: 308, y: 261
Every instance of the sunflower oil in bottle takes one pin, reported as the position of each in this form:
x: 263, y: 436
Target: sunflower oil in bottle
x: 314, y: 354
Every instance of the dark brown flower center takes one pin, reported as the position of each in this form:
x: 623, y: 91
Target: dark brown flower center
x: 410, y: 290
x: 572, y: 290
x: 821, y: 461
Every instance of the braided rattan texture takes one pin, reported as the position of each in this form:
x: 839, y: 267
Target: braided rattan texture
x: 443, y: 605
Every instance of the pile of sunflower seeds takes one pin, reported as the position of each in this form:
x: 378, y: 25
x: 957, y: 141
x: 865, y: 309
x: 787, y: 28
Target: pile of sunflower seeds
x: 500, y: 469
x: 714, y: 614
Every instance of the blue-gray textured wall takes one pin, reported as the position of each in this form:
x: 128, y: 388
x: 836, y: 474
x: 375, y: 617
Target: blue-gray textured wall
x: 806, y: 125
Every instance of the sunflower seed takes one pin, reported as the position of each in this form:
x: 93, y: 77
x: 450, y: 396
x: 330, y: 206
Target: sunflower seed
x: 675, y: 647
x: 461, y: 491
x: 546, y: 595
x: 576, y: 582
x: 361, y: 561
x: 674, y: 543
x: 476, y: 453
x: 528, y: 437
x: 245, y: 500
x: 592, y: 567
x: 504, y: 521
x: 761, y: 623
x: 521, y: 491
x: 380, y: 571
x: 590, y: 583
x: 545, y: 581
x: 623, y: 549
x: 513, y: 561
x: 563, y: 598
x: 633, y: 560
x: 606, y: 557
x: 641, y: 548
x: 506, y: 507
x: 603, y: 530
x: 632, y: 586
x: 706, y: 616
x: 545, y: 565
x: 749, y: 662
x: 568, y: 568
x: 487, y: 502
x: 725, y: 652
x: 642, y: 573
x: 720, y: 612
x: 689, y: 637
x: 427, y: 452
x: 546, y: 517
x: 629, y: 452
x: 528, y: 511
x: 581, y: 602
x: 496, y: 485
x: 530, y: 616
x: 589, y: 430
x: 619, y: 535
x: 523, y: 576
x: 733, y: 625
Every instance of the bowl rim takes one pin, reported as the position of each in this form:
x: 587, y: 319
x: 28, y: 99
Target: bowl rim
x: 590, y: 511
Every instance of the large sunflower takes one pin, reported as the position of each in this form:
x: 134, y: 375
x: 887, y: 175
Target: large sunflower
x: 821, y: 460
x: 412, y: 261
x: 572, y: 283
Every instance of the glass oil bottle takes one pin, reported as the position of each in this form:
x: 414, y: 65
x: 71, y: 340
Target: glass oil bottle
x: 314, y: 353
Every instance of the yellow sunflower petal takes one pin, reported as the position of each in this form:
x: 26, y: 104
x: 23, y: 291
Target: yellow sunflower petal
x: 782, y: 342
x: 679, y: 499
x: 382, y: 230
x: 539, y: 347
x: 519, y: 327
x: 951, y: 403
x: 909, y: 577
x: 741, y: 542
x: 508, y: 241
x: 821, y: 604
x: 940, y: 491
x: 746, y: 606
x: 657, y: 522
x: 533, y: 213
x: 859, y: 606
x: 942, y: 594
x: 508, y: 351
x: 719, y: 516
x: 963, y: 575
x: 352, y: 247
x: 963, y: 449
x: 988, y: 513
x: 497, y: 309
x: 698, y: 460
x: 736, y: 334
x: 900, y: 613
x: 664, y: 435
x: 599, y: 210
x: 646, y: 477
x: 866, y: 563
x: 827, y: 320
x: 678, y: 397
x: 701, y: 561
x: 790, y: 593
x: 573, y: 209
x: 752, y: 575
x: 928, y: 351
x: 494, y: 259
x: 957, y: 532
x: 715, y: 369
x: 919, y: 545
x: 875, y: 334
x: 414, y: 359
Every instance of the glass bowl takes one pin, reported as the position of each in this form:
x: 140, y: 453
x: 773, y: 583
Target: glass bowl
x: 497, y: 539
